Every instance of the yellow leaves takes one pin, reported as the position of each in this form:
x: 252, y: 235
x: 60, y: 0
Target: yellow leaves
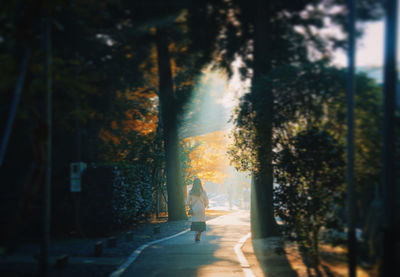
x: 209, y: 161
x: 149, y: 69
x: 128, y: 48
x: 140, y: 94
x: 146, y: 125
x: 174, y: 68
x: 143, y: 121
x: 106, y: 136
x: 174, y: 48
x: 114, y: 125
x: 134, y: 119
x: 182, y: 18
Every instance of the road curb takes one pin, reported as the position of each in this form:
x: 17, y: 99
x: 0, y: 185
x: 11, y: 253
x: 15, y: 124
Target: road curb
x: 244, y: 264
x: 121, y: 269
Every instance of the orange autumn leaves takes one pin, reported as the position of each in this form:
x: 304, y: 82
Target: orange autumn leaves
x: 136, y: 120
x: 142, y: 117
x: 209, y: 161
x: 140, y: 114
x: 143, y: 121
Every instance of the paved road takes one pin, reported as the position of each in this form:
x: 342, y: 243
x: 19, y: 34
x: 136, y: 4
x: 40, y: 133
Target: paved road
x: 214, y: 255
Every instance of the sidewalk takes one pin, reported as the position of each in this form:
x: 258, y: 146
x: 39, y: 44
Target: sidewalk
x: 80, y: 251
x: 213, y: 256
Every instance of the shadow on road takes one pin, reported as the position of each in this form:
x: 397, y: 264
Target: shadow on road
x: 181, y: 257
x: 264, y: 259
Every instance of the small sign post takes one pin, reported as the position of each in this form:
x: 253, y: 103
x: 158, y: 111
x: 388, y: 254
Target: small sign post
x: 76, y: 170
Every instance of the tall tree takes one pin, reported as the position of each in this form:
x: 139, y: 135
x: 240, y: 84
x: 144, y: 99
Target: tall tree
x: 266, y: 36
x: 176, y: 204
x: 262, y: 213
x: 182, y: 52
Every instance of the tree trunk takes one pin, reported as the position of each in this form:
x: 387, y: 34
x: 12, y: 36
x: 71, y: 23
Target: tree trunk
x: 315, y: 251
x: 263, y: 222
x: 176, y: 202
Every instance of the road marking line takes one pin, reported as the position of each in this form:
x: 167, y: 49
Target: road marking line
x: 244, y: 264
x: 138, y: 251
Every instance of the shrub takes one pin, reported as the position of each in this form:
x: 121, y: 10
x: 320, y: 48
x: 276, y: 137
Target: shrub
x: 132, y: 193
x: 309, y: 172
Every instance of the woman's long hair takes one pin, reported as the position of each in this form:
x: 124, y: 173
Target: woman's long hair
x: 197, y: 188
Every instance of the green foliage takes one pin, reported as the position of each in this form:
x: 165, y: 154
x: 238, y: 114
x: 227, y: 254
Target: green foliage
x: 313, y: 94
x: 242, y: 153
x: 280, y: 20
x: 132, y: 193
x: 185, y: 150
x: 310, y: 181
x: 368, y: 130
x: 301, y: 93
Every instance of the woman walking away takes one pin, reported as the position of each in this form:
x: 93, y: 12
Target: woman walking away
x: 198, y: 201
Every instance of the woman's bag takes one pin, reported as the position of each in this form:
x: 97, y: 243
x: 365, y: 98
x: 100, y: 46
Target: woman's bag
x: 190, y: 212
